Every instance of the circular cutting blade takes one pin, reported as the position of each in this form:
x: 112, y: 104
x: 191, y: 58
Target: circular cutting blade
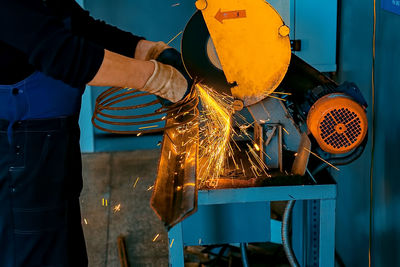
x: 248, y: 53
x: 200, y: 58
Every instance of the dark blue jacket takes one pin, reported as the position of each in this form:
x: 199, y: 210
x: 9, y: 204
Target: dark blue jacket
x: 58, y: 38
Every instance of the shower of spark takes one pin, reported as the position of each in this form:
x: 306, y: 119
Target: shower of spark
x: 217, y: 138
x: 215, y: 133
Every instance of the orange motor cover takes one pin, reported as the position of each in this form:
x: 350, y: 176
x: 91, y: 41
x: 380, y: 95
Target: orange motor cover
x: 338, y: 123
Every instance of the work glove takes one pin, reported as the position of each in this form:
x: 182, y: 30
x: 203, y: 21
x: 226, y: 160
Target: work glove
x: 155, y: 50
x: 166, y: 82
x: 170, y: 56
x: 165, y: 54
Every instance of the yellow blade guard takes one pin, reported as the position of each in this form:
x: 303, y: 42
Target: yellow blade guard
x: 252, y: 43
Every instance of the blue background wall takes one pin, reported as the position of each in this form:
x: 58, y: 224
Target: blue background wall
x: 161, y: 20
x: 355, y: 64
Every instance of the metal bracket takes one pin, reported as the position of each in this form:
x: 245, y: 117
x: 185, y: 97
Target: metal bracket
x: 275, y: 118
x: 295, y: 45
x: 273, y: 111
x: 270, y: 150
x: 273, y: 146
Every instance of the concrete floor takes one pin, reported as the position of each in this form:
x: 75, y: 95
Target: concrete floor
x: 111, y: 176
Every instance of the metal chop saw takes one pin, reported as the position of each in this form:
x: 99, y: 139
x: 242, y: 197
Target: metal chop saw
x: 242, y: 48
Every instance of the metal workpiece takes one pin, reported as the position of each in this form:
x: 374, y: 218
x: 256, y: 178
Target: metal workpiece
x: 303, y: 154
x: 175, y: 190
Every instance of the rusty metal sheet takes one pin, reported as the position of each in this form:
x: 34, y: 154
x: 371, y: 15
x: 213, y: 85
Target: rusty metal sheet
x: 175, y: 191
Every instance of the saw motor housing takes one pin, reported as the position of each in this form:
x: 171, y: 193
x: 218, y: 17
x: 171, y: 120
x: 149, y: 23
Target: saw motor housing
x: 338, y: 123
x: 336, y: 117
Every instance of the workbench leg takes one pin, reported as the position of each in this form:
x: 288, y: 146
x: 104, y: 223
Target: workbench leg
x: 298, y: 226
x: 175, y: 237
x: 327, y: 233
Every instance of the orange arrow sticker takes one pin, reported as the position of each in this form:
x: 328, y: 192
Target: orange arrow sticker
x: 237, y: 14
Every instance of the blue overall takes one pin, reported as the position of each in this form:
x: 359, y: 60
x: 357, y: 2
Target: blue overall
x: 40, y: 174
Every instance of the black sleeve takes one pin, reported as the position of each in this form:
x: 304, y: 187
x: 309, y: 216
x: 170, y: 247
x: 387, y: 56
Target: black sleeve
x: 52, y: 49
x: 110, y: 37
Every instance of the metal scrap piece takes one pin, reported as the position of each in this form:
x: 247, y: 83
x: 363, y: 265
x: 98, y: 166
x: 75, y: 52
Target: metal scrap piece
x: 175, y: 191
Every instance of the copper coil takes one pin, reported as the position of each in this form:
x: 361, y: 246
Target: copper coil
x: 184, y: 111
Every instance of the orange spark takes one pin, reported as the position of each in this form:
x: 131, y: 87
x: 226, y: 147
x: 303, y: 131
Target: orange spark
x: 155, y: 238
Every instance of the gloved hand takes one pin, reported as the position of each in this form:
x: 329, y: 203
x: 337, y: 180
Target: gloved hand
x: 166, y: 82
x: 165, y: 54
x: 155, y: 50
x: 172, y: 57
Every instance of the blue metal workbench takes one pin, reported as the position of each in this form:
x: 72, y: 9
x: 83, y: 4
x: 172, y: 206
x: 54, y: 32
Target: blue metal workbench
x: 243, y: 216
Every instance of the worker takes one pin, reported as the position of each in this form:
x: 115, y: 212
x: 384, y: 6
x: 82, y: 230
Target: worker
x: 49, y: 51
